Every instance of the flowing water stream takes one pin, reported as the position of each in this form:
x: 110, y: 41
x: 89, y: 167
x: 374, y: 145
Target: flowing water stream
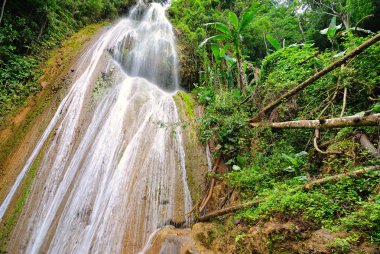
x: 113, y: 167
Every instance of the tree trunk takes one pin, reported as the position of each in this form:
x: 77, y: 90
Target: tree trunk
x: 317, y: 76
x: 227, y: 210
x: 2, y: 10
x: 301, y: 29
x: 242, y: 77
x: 265, y: 42
x: 369, y: 120
x: 346, y: 21
x: 366, y: 144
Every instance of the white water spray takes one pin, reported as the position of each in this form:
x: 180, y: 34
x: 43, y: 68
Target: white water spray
x: 113, y: 171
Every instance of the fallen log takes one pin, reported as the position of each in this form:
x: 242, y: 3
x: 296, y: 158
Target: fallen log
x: 309, y: 185
x: 348, y: 121
x: 366, y: 144
x: 226, y: 210
x: 317, y: 76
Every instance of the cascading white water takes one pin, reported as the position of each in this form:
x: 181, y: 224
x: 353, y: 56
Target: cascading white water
x: 113, y: 171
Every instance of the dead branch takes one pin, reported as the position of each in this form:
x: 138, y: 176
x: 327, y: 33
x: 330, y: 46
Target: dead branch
x: 326, y: 144
x: 362, y: 19
x: 226, y: 198
x: 340, y: 176
x: 309, y: 185
x: 317, y: 76
x: 227, y: 210
x: 344, y: 102
x: 207, y: 198
x: 310, y: 57
x: 316, y: 137
x: 331, y: 101
x: 367, y: 145
x: 355, y: 120
x: 2, y: 11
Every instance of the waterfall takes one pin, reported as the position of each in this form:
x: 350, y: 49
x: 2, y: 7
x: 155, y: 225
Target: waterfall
x: 113, y: 167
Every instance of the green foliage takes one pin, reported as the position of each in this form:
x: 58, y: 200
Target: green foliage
x: 230, y: 35
x: 274, y: 165
x: 285, y: 69
x: 322, y: 205
x: 273, y: 42
x: 225, y: 120
x: 366, y: 220
x: 30, y: 28
x: 331, y: 31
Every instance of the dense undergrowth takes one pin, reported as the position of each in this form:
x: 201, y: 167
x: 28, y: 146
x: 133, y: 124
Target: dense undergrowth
x: 274, y: 165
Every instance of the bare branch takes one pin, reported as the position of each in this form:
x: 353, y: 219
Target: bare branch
x: 340, y: 176
x: 2, y: 10
x: 344, y: 102
x: 355, y: 120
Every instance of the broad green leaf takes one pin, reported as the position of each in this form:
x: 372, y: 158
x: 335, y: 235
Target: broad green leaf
x: 236, y: 167
x: 229, y: 162
x: 234, y: 20
x: 217, y: 37
x: 301, y: 154
x: 273, y: 42
x: 230, y: 60
x: 333, y: 23
x: 220, y: 27
x: 324, y: 31
x: 247, y: 19
x: 331, y: 32
x: 376, y: 108
x: 292, y: 160
x: 332, y: 29
x: 215, y: 50
x: 222, y: 52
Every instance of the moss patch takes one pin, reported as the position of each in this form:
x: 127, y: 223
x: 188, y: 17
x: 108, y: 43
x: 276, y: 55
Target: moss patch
x: 187, y: 104
x: 196, y: 161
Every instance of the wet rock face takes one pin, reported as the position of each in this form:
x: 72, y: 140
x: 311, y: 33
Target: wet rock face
x: 195, y: 152
x: 171, y: 240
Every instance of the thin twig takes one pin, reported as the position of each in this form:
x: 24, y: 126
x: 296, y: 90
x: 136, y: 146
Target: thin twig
x: 310, y: 57
x: 316, y: 137
x: 344, y: 102
x: 209, y: 193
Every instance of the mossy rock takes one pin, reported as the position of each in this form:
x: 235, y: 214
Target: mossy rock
x: 195, y: 152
